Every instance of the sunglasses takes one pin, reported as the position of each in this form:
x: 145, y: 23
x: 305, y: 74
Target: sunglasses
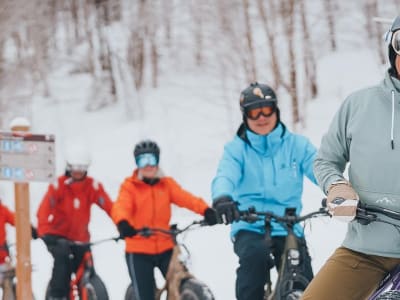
x: 146, y: 159
x: 255, y: 113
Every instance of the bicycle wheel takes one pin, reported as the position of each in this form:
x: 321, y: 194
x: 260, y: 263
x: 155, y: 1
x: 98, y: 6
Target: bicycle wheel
x: 389, y: 295
x: 94, y: 289
x: 129, y: 294
x: 291, y: 288
x: 192, y: 289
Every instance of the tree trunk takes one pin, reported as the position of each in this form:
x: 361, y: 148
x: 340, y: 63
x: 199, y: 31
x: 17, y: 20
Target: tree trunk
x: 252, y: 76
x: 287, y: 13
x: 310, y: 66
x: 271, y: 38
x: 329, y: 8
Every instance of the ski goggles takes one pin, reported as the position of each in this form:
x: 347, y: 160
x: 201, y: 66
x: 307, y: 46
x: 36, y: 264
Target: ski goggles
x: 395, y: 41
x: 77, y: 168
x: 255, y: 112
x: 146, y: 159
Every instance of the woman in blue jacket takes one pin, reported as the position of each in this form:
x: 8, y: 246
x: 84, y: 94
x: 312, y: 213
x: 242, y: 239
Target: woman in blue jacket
x: 263, y: 166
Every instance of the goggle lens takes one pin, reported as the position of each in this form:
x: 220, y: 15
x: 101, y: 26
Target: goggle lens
x: 255, y: 113
x: 146, y: 159
x: 396, y: 42
x: 77, y: 168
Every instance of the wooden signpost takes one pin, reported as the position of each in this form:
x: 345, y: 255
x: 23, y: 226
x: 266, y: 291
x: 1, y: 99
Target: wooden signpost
x: 25, y: 157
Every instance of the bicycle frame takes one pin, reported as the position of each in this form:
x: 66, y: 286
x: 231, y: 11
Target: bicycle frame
x: 178, y: 274
x: 81, y: 278
x: 288, y: 273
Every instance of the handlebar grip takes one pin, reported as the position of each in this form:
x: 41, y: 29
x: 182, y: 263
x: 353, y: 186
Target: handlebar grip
x: 323, y: 202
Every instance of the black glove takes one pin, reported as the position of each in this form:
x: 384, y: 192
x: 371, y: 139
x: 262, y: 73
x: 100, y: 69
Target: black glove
x: 210, y: 216
x: 226, y: 208
x: 34, y: 232
x: 125, y: 229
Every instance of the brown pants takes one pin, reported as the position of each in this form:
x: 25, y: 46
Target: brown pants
x: 349, y: 275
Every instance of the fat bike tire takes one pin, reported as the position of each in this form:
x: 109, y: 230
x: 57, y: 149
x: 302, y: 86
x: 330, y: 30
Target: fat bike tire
x: 95, y: 289
x: 291, y: 288
x: 193, y: 289
x: 129, y: 294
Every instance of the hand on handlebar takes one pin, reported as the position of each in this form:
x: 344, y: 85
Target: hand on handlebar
x: 210, y: 216
x: 227, y: 210
x: 125, y: 229
x: 342, y: 201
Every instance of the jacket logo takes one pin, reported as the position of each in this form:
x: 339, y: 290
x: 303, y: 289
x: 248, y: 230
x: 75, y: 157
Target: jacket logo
x: 385, y: 200
x: 77, y: 203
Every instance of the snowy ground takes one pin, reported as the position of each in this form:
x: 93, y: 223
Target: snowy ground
x: 191, y: 133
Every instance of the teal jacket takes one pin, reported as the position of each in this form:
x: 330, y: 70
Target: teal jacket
x: 265, y: 171
x: 365, y: 135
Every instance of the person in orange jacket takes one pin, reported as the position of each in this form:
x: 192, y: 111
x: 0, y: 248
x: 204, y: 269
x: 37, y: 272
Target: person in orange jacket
x: 64, y: 215
x: 145, y: 200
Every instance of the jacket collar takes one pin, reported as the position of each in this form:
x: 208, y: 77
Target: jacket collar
x: 263, y: 144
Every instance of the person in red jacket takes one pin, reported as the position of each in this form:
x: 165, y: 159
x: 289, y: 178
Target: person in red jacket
x: 64, y: 215
x: 6, y: 217
x: 145, y: 200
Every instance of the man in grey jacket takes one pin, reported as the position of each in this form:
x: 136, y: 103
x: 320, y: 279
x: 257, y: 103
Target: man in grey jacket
x: 365, y: 133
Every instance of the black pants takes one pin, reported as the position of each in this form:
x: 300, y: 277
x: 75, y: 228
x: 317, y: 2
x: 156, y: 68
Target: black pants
x: 141, y: 270
x: 67, y: 258
x: 256, y: 257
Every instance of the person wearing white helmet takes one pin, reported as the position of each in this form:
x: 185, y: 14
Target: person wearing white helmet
x: 64, y: 216
x: 364, y: 135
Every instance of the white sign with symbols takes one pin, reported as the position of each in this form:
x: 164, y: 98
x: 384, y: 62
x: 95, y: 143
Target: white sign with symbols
x: 27, y: 157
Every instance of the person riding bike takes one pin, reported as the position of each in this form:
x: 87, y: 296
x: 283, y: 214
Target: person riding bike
x: 263, y: 166
x: 64, y: 216
x: 363, y: 134
x: 145, y: 200
x: 7, y: 216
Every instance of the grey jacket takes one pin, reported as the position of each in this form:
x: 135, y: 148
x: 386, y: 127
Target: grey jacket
x: 365, y: 134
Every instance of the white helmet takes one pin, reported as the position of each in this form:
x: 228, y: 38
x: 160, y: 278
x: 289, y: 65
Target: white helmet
x: 77, y: 157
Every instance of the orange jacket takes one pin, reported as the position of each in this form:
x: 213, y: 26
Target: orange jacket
x: 65, y: 209
x: 6, y: 216
x: 150, y: 205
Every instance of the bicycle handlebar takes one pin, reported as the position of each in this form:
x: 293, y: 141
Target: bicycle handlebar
x: 366, y: 214
x: 173, y: 231
x: 251, y: 216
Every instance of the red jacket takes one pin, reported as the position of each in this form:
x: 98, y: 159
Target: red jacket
x: 150, y: 205
x: 65, y: 209
x: 6, y: 216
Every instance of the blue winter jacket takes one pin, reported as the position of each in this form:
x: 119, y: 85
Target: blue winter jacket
x: 265, y: 171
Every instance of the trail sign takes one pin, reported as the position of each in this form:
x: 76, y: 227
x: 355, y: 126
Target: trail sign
x: 27, y: 157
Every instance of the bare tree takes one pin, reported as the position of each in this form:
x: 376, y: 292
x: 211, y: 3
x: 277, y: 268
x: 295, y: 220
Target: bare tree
x: 329, y: 9
x: 288, y: 15
x: 310, y: 65
x: 374, y: 29
x: 252, y: 75
x: 269, y: 30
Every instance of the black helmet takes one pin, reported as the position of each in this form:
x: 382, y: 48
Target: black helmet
x: 392, y: 54
x: 147, y: 146
x: 257, y: 95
